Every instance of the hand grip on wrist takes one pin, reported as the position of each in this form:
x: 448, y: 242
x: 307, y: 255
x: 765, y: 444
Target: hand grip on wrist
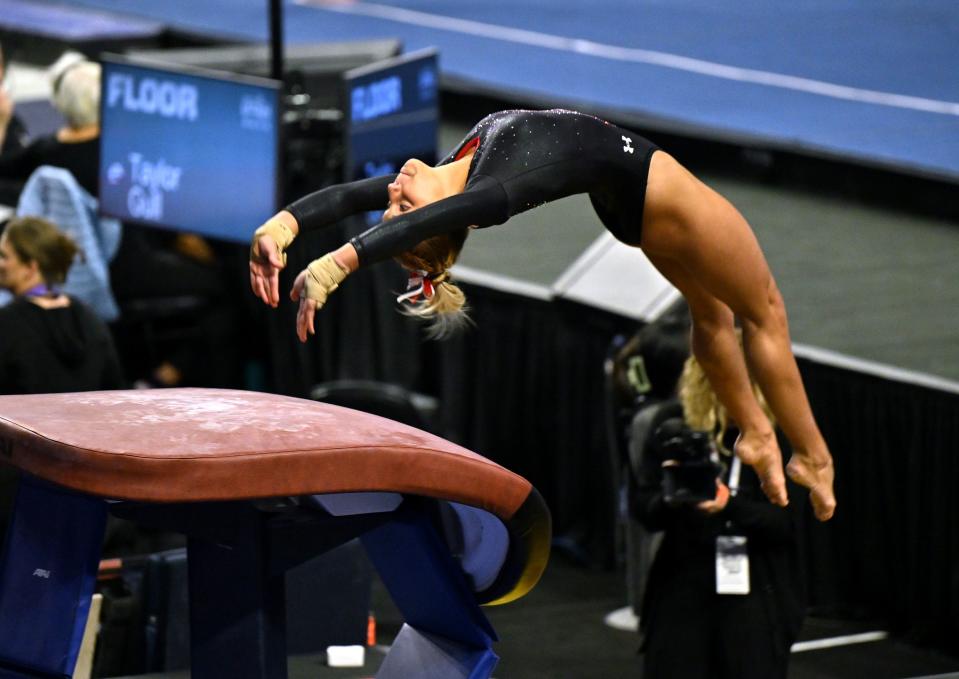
x: 281, y: 234
x: 323, y: 276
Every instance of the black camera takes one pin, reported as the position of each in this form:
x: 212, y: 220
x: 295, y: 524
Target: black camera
x: 690, y: 463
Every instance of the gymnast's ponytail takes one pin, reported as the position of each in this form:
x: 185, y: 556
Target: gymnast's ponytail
x: 434, y: 297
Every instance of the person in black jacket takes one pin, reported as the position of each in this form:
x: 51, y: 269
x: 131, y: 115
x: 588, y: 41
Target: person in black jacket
x: 75, y: 93
x: 49, y: 342
x: 513, y: 161
x: 724, y: 597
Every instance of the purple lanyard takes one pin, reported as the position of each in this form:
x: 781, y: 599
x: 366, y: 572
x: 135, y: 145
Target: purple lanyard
x: 42, y: 290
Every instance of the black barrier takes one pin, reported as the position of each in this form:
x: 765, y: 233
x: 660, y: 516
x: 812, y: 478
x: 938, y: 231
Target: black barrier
x: 890, y: 551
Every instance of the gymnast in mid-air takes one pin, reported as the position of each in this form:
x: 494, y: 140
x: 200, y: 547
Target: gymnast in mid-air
x: 513, y: 161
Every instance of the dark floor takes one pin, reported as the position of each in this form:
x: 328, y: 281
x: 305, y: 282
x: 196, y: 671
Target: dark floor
x: 557, y: 632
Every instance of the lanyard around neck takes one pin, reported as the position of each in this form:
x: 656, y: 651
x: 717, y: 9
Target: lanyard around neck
x: 41, y: 290
x: 734, y: 470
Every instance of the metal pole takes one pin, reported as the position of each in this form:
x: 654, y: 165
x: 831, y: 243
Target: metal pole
x: 276, y: 39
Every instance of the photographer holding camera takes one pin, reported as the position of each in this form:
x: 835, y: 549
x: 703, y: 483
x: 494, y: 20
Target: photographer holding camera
x: 724, y: 597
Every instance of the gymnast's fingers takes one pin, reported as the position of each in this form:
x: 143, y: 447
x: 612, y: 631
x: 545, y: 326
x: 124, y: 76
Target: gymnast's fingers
x: 301, y: 320
x: 296, y: 292
x: 274, y: 282
x: 253, y: 282
x: 305, y: 319
x: 311, y: 307
x: 256, y: 284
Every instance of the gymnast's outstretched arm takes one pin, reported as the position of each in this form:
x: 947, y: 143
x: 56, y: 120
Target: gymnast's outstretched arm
x: 484, y: 204
x: 314, y: 211
x: 328, y: 206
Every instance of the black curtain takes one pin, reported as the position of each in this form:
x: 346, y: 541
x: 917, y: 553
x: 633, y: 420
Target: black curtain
x: 892, y: 549
x: 522, y: 386
x: 525, y: 387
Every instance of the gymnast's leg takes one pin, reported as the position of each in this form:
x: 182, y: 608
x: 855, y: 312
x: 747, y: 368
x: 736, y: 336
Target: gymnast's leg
x: 706, y: 248
x: 716, y: 347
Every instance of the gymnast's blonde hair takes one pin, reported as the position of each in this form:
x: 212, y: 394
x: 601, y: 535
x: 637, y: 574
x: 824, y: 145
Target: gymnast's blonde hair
x: 446, y: 311
x: 701, y: 407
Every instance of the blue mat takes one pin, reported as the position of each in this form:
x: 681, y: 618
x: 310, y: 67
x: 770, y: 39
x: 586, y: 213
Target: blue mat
x: 871, y: 80
x: 60, y: 21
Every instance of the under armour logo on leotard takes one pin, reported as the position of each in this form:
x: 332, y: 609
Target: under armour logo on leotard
x: 628, y: 148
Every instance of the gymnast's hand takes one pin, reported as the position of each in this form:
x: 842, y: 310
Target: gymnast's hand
x: 268, y: 256
x: 312, y: 287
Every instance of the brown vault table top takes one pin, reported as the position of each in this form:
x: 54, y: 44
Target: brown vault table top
x: 190, y: 445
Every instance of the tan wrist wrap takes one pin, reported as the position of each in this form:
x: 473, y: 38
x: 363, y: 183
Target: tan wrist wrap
x: 281, y: 234
x: 323, y: 276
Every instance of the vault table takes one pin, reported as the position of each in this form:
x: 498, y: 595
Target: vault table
x: 258, y: 483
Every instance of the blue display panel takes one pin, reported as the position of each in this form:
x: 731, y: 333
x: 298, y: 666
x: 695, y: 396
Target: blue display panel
x: 188, y: 150
x: 392, y: 113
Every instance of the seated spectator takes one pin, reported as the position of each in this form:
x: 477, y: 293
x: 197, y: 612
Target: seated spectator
x: 52, y: 193
x: 75, y: 93
x: 50, y: 342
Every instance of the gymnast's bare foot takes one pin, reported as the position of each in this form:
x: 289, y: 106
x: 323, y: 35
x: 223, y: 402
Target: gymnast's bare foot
x: 760, y: 450
x: 815, y: 473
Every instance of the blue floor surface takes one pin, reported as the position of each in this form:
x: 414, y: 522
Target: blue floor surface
x: 872, y: 81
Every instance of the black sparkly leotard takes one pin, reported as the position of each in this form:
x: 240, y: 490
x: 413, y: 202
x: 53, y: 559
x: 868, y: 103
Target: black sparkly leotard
x: 522, y: 159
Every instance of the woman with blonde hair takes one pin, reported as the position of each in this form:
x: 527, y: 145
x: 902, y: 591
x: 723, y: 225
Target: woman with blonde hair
x: 513, y: 161
x: 724, y: 597
x: 702, y: 409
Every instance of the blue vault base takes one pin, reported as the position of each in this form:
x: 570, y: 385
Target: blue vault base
x: 238, y: 554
